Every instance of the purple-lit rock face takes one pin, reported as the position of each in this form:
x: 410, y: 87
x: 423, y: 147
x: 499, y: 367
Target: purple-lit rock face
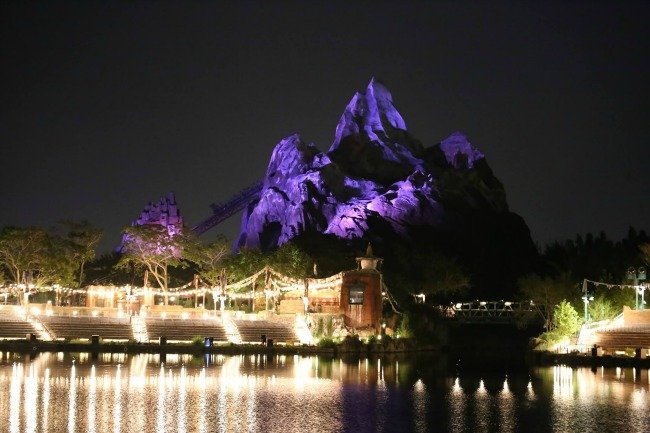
x: 459, y: 151
x: 373, y: 171
x: 164, y: 213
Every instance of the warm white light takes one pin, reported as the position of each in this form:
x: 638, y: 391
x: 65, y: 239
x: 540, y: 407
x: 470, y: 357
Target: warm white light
x: 95, y: 313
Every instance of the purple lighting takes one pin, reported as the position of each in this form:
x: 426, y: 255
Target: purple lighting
x: 374, y: 169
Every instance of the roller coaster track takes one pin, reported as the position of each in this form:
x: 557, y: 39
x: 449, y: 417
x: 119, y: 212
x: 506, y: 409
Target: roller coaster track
x: 224, y: 210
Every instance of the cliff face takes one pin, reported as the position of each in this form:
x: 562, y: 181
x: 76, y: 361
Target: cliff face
x: 378, y: 182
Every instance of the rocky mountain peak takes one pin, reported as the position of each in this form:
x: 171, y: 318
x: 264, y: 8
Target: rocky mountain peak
x: 371, y: 114
x: 459, y: 152
x: 377, y: 182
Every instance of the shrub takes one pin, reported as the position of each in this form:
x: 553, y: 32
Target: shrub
x: 198, y: 340
x: 326, y: 343
x: 319, y: 327
x: 404, y: 329
x: 330, y: 326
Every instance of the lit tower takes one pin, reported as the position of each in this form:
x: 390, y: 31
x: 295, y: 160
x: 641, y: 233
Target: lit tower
x: 361, y: 300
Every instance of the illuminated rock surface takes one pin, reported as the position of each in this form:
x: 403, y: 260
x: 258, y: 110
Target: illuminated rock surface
x: 377, y: 182
x: 373, y: 170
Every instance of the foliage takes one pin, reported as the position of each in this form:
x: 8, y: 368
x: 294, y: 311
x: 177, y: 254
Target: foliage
x: 329, y: 327
x: 595, y: 256
x: 197, y: 340
x: 290, y: 260
x: 404, y: 328
x: 210, y: 259
x: 601, y: 308
x: 245, y: 263
x: 35, y: 256
x: 566, y: 320
x: 441, y: 276
x: 23, y: 251
x: 326, y: 342
x: 330, y: 254
x: 548, y: 292
x: 154, y: 248
x: 82, y: 239
x: 425, y: 270
x: 320, y: 328
x: 645, y: 253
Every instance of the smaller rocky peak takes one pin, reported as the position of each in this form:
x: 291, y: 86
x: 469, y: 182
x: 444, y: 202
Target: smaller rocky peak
x: 459, y: 152
x: 371, y: 114
x: 164, y: 213
x: 290, y: 157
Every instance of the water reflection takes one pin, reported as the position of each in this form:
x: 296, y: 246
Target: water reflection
x: 258, y: 393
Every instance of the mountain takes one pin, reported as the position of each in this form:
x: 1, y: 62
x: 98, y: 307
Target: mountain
x: 377, y: 182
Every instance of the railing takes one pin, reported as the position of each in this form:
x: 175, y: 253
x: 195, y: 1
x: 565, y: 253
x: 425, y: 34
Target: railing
x: 490, y: 311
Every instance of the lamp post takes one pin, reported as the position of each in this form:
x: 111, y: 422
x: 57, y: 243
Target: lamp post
x: 637, y: 275
x: 586, y: 299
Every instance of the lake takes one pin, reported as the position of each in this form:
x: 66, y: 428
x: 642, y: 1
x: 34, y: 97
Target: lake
x: 62, y: 392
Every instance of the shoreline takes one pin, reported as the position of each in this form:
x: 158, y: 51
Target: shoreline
x: 533, y: 358
x: 542, y: 359
x: 24, y: 346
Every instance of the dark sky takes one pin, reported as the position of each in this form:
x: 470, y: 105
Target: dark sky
x: 106, y: 106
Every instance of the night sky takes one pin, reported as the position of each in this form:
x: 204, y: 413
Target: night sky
x: 106, y: 106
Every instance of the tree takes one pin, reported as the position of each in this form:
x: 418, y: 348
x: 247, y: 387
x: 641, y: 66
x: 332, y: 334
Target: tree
x: 292, y: 261
x: 155, y: 249
x: 566, y: 320
x: 32, y: 256
x: 602, y: 308
x: 442, y: 276
x: 245, y: 263
x: 83, y: 238
x: 548, y: 292
x: 23, y: 252
x: 645, y: 253
x: 210, y: 259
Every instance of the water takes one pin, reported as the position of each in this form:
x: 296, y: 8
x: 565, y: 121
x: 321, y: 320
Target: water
x: 138, y: 393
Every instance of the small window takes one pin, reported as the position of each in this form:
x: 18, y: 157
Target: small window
x: 356, y: 295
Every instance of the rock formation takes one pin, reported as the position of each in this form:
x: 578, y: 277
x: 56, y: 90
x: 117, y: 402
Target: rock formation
x: 378, y: 182
x: 164, y: 213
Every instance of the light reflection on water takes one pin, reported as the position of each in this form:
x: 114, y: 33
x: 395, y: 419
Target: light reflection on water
x: 259, y: 393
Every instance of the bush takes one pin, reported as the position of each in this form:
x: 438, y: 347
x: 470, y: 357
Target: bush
x: 326, y: 343
x: 404, y: 329
x: 319, y: 328
x: 198, y: 340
